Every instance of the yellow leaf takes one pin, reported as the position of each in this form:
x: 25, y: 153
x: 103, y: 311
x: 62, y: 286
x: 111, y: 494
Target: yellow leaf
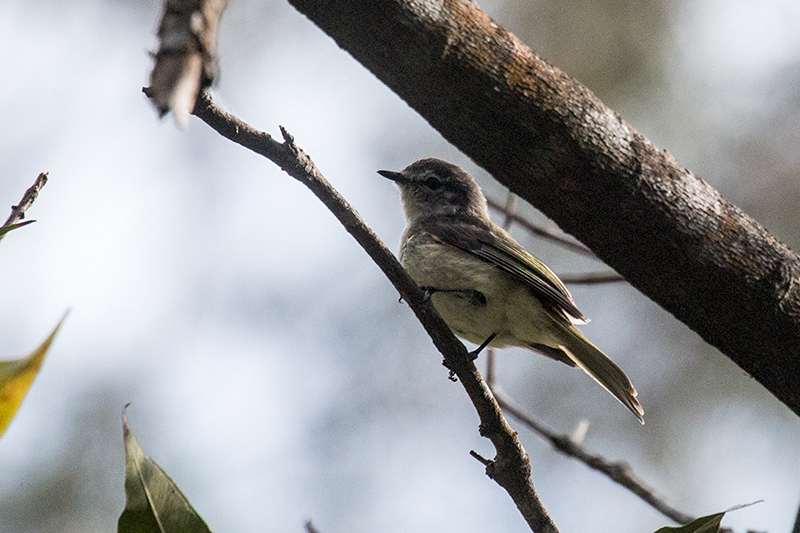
x: 16, y: 377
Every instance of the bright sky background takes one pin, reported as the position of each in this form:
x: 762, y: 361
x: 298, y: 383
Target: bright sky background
x: 270, y: 368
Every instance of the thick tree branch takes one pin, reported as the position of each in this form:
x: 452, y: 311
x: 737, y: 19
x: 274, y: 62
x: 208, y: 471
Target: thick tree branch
x: 510, y: 467
x: 552, y: 142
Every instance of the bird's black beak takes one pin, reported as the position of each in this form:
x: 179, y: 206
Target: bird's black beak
x: 394, y: 176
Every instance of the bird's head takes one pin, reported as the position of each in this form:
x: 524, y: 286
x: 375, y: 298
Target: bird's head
x: 435, y: 187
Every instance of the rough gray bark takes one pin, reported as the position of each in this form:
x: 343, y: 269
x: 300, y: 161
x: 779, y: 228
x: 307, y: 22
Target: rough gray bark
x: 551, y: 141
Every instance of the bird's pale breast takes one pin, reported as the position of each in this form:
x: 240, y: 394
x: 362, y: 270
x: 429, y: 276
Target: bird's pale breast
x: 474, y: 298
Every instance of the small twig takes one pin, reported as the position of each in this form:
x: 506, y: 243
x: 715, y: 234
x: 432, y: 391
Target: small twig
x: 579, y: 433
x: 541, y: 232
x: 620, y: 472
x: 18, y: 211
x: 508, y: 210
x: 310, y: 527
x: 511, y: 467
x: 491, y: 358
x: 589, y: 278
x: 481, y: 459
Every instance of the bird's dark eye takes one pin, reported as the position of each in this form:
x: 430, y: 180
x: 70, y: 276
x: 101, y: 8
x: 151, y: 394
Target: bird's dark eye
x: 433, y: 183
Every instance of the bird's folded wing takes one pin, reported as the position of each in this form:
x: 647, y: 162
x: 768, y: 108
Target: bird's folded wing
x: 496, y: 247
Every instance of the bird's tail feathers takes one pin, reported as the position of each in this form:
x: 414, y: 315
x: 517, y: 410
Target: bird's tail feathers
x: 603, y: 370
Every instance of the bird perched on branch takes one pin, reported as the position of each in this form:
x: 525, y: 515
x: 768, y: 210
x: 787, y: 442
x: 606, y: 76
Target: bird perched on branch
x: 487, y: 288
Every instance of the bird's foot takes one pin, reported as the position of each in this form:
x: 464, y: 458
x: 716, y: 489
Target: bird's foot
x: 477, y: 298
x: 474, y: 353
x: 429, y: 292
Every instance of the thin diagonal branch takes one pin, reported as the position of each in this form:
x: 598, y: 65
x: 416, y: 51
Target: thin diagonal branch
x: 588, y: 278
x: 617, y: 471
x: 511, y: 217
x: 18, y: 211
x: 510, y: 467
x: 591, y: 278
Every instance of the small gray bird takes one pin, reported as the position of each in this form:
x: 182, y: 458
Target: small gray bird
x: 487, y: 287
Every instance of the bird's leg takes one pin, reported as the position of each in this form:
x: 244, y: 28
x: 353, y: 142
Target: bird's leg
x: 477, y: 297
x: 474, y: 353
x: 429, y: 292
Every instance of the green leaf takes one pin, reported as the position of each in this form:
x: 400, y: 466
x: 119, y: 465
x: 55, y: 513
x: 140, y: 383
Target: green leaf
x: 6, y: 229
x: 16, y: 377
x: 154, y: 503
x: 706, y: 524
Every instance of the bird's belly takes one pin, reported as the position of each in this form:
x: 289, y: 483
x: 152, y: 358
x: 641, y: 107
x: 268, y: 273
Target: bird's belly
x: 474, y: 298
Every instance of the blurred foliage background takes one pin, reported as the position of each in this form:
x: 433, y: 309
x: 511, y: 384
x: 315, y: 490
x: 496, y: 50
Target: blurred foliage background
x: 271, y: 370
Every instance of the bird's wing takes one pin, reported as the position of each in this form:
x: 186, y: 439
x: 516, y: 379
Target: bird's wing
x: 494, y: 245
